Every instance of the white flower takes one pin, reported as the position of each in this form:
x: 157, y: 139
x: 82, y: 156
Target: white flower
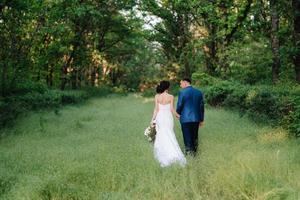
x: 150, y: 133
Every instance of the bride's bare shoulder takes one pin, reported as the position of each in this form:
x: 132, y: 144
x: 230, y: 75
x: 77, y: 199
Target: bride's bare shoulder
x: 156, y: 97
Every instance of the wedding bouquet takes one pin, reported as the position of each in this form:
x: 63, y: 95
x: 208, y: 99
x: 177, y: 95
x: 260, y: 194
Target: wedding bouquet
x: 150, y: 132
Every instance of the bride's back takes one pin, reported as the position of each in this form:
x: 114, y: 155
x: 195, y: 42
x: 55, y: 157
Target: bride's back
x: 164, y: 98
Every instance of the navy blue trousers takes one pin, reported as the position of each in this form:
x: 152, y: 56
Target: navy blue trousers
x: 190, y: 136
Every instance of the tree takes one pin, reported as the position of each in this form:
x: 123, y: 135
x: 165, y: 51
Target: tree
x: 275, y: 40
x: 173, y: 32
x: 222, y: 20
x: 14, y: 58
x: 296, y: 57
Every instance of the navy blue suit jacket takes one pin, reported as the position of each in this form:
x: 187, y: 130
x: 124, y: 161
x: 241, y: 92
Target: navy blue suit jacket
x: 190, y: 105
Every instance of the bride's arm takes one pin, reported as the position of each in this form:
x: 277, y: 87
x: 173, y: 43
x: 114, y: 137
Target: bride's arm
x: 173, y: 108
x: 155, y: 110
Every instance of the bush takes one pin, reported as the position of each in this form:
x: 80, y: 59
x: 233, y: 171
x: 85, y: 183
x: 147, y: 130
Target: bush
x: 294, y: 125
x: 149, y: 92
x: 8, y: 112
x: 35, y: 97
x: 70, y: 97
x: 203, y: 79
x: 29, y: 87
x: 98, y: 91
x: 121, y: 90
x: 215, y: 95
x: 278, y: 105
x: 262, y: 102
x: 34, y: 100
x: 290, y: 107
x: 237, y: 98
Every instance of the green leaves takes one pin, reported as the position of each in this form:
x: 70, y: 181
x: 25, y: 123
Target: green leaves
x: 59, y: 42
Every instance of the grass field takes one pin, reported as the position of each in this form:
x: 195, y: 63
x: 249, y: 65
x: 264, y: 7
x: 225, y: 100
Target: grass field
x: 97, y: 150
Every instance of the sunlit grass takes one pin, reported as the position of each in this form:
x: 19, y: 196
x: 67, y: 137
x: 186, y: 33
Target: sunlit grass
x: 98, y: 151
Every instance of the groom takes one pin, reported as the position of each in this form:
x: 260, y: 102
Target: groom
x: 190, y: 107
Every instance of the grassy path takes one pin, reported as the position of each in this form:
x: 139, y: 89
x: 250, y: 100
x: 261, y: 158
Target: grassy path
x: 98, y: 151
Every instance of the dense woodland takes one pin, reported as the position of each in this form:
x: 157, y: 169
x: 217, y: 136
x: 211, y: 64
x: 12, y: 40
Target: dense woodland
x: 228, y: 47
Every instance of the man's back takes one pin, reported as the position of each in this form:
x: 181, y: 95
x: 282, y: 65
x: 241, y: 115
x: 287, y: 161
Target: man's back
x: 190, y: 105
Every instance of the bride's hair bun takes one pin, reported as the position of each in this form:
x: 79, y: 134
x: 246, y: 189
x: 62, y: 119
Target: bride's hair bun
x: 163, y: 86
x: 159, y: 90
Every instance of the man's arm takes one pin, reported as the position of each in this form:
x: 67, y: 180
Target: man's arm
x: 201, y: 111
x: 179, y: 103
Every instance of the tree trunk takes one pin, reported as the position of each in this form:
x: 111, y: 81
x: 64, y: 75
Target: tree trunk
x: 296, y: 6
x: 74, y: 78
x: 64, y: 73
x: 78, y: 40
x: 239, y: 22
x: 275, y: 41
x: 50, y: 77
x: 187, y: 68
x: 212, y: 50
x: 64, y: 69
x: 78, y: 78
x: 93, y: 76
x: 3, y: 84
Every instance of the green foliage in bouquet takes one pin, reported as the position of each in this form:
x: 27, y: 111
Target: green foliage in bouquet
x: 150, y: 133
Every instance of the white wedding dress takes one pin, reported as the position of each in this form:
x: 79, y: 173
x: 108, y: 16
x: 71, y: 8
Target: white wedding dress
x: 166, y: 147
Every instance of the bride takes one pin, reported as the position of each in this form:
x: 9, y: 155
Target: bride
x: 166, y: 147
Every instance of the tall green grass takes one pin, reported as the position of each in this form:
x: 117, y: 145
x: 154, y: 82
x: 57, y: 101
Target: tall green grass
x: 98, y: 151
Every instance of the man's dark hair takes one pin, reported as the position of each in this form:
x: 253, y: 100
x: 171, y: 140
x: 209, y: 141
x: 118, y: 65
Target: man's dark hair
x: 187, y: 79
